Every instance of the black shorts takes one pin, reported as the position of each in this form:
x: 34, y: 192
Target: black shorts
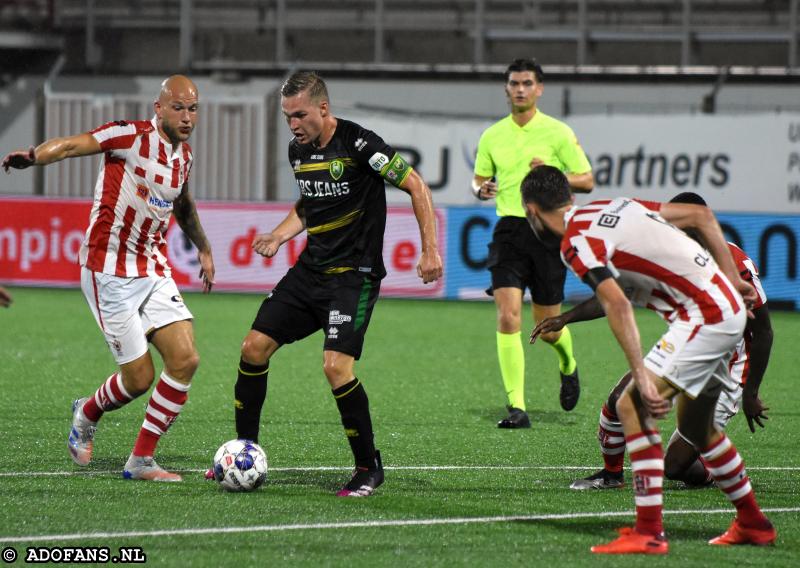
x: 305, y: 301
x: 518, y: 259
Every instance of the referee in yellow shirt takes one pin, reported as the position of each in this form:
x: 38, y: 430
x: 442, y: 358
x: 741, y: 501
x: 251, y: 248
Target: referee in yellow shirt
x: 518, y: 258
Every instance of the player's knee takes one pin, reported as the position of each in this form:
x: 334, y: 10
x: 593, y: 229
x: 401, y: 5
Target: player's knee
x: 183, y: 366
x: 672, y: 469
x: 138, y: 381
x: 336, y: 372
x: 617, y: 391
x: 508, y: 320
x: 191, y: 362
x: 254, y: 351
x: 613, y: 398
x: 625, y: 406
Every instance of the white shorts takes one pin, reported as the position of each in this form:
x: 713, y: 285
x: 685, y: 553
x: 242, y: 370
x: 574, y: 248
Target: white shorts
x: 128, y: 309
x: 728, y: 404
x: 692, y: 357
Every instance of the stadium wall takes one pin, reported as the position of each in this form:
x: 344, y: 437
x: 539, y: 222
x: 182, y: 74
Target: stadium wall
x: 397, y: 102
x: 40, y: 239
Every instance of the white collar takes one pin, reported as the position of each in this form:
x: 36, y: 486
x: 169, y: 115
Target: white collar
x: 569, y: 214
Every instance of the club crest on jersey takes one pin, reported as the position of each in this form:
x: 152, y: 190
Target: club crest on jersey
x: 142, y: 192
x: 336, y: 169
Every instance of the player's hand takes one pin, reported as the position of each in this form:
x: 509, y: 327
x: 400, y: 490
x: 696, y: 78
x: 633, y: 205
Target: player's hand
x: 206, y: 270
x: 266, y: 244
x: 488, y: 190
x: 5, y: 297
x: 654, y: 403
x: 547, y: 325
x: 535, y: 163
x: 754, y: 409
x: 429, y: 267
x: 20, y: 160
x: 749, y: 295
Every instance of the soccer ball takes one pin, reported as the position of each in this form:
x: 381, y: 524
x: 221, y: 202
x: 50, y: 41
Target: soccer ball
x: 240, y: 465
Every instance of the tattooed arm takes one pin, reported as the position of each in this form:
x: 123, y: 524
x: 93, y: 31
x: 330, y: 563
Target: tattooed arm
x: 186, y: 215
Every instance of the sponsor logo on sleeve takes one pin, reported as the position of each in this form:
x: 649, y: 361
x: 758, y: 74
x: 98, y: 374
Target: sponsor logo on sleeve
x: 378, y: 160
x: 608, y: 221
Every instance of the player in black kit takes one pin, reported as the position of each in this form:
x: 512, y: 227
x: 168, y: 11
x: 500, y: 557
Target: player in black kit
x: 340, y: 169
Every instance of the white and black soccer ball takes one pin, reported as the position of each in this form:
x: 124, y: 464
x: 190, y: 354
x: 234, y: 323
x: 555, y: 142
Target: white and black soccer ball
x: 240, y: 465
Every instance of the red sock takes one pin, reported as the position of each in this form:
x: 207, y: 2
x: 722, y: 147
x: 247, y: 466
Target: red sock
x: 165, y: 405
x: 727, y: 467
x: 110, y: 396
x: 612, y: 440
x: 647, y: 463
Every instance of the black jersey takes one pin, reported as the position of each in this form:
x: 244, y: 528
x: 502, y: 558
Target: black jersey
x: 343, y: 197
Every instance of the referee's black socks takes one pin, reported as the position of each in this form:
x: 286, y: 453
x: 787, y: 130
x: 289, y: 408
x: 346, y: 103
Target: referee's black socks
x: 250, y: 392
x: 353, y: 404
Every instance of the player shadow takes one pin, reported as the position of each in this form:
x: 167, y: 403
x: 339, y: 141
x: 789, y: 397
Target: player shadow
x: 112, y: 465
x: 325, y: 480
x: 606, y: 529
x: 494, y: 415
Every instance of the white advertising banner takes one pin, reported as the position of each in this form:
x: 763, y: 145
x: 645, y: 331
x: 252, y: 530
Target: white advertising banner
x: 231, y: 228
x: 745, y: 163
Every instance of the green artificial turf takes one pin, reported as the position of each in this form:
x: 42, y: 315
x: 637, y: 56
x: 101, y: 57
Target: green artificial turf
x: 431, y: 373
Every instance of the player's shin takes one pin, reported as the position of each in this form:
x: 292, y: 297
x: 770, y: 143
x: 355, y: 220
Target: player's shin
x: 563, y: 348
x: 353, y: 404
x: 163, y: 409
x: 611, y: 439
x: 512, y: 367
x: 727, y: 467
x: 110, y: 396
x: 647, y: 463
x: 250, y: 392
x: 683, y: 462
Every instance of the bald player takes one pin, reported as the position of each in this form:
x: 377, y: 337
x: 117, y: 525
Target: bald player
x: 125, y: 274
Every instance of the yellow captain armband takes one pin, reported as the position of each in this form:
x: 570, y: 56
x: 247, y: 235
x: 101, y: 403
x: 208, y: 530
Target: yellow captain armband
x: 396, y: 171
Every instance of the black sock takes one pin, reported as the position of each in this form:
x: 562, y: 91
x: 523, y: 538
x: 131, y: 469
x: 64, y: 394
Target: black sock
x: 354, y: 407
x: 250, y: 393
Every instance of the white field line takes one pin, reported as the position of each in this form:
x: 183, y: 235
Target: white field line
x: 78, y: 472
x: 361, y: 524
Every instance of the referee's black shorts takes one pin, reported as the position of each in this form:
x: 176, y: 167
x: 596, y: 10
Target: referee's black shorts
x: 518, y: 259
x: 305, y: 301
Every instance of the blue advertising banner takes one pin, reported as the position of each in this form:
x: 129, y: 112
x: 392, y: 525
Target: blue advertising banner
x: 469, y: 232
x: 770, y: 240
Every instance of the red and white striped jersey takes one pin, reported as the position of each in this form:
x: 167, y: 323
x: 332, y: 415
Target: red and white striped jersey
x: 140, y: 177
x: 740, y: 361
x: 657, y: 265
